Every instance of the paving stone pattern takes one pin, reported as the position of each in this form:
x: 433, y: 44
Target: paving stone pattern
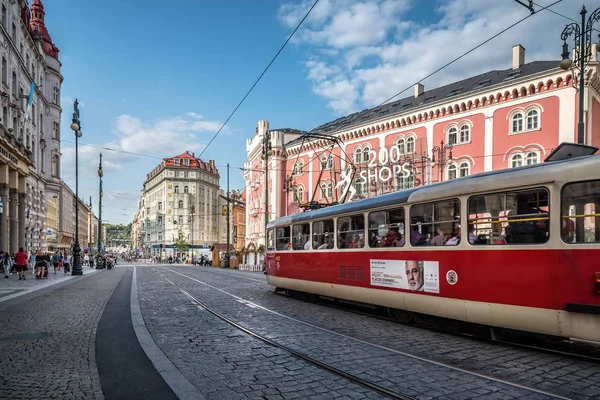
x: 62, y: 364
x: 223, y: 362
x: 556, y: 374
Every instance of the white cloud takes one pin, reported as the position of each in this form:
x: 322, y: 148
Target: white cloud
x: 365, y: 51
x: 163, y: 138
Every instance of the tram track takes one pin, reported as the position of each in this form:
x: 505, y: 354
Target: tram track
x: 579, y: 347
x: 304, y: 357
x: 357, y: 340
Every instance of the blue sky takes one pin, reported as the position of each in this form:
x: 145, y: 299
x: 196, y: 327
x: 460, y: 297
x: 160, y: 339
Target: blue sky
x: 159, y: 79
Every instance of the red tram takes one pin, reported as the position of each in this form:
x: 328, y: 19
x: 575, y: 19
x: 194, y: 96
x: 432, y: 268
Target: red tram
x: 517, y: 249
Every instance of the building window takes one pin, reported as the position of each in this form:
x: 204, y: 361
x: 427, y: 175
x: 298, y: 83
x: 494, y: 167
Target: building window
x: 4, y: 72
x: 176, y: 189
x: 55, y: 130
x: 177, y: 161
x: 327, y: 162
x: 14, y: 33
x: 14, y: 84
x: 327, y: 190
x: 298, y: 168
x: 357, y: 156
x: 531, y: 158
x: 186, y: 162
x: 516, y: 160
x: 517, y: 123
x: 410, y: 145
x: 452, y: 171
x: 405, y: 182
x: 5, y: 117
x: 362, y: 186
x: 463, y: 169
x: 160, y: 205
x: 186, y: 189
x: 401, y: 146
x: 180, y: 219
x: 365, y: 154
x: 298, y: 195
x: 4, y: 16
x: 160, y: 236
x: 532, y: 119
x: 56, y: 95
x: 458, y: 134
x: 180, y: 204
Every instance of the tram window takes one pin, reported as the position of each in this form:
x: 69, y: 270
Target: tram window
x: 435, y: 224
x: 323, y: 235
x: 386, y: 228
x: 516, y: 217
x: 283, y: 238
x: 300, y: 237
x: 351, y: 232
x: 271, y: 240
x: 581, y: 212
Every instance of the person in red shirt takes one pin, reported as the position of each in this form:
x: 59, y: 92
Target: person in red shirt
x: 21, y: 263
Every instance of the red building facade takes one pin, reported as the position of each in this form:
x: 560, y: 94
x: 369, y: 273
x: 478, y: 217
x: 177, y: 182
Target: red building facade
x: 496, y: 120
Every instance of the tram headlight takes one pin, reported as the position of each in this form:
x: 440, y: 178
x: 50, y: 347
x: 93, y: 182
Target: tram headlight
x: 597, y: 280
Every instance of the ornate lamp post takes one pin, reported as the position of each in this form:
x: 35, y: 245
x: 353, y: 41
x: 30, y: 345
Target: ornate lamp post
x: 582, y: 37
x: 444, y: 154
x: 76, y: 127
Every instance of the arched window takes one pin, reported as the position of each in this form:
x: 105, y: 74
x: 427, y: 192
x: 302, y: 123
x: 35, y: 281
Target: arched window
x: 365, y: 157
x: 531, y: 158
x: 405, y: 181
x: 452, y: 171
x: 401, y: 146
x: 362, y: 186
x: 327, y: 190
x: 55, y: 166
x: 463, y: 169
x: 516, y: 160
x: 517, y: 123
x: 186, y: 189
x: 452, y: 136
x: 180, y: 204
x: 465, y: 133
x: 176, y: 189
x: 532, y: 119
x: 327, y: 162
x: 410, y: 145
x: 298, y: 168
x: 298, y: 195
x: 357, y: 156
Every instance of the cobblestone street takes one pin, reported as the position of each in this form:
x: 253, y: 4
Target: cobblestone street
x: 47, y: 346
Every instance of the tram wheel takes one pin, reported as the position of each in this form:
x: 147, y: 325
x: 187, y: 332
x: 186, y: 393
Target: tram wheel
x: 402, y: 316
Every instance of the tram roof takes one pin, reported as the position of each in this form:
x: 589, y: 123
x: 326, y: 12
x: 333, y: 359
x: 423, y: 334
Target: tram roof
x: 482, y: 182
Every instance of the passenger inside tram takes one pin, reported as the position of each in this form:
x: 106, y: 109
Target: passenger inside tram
x: 530, y: 223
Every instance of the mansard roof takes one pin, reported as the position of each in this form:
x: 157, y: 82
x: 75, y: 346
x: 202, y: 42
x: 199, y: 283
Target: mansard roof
x: 473, y: 84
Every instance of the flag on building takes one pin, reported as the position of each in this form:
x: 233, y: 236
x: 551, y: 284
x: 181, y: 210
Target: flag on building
x: 30, y: 101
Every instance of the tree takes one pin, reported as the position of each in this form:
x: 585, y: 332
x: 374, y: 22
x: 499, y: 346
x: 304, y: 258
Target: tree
x: 180, y: 244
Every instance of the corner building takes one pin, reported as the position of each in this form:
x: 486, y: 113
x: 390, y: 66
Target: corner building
x: 180, y: 193
x: 30, y: 143
x: 496, y: 120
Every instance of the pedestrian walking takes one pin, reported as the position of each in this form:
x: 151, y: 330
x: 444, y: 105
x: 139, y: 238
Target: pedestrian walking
x: 21, y: 263
x: 55, y: 261
x: 66, y: 264
x: 6, y: 263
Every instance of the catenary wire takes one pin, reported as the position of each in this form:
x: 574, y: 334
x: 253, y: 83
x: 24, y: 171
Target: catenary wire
x: 259, y: 78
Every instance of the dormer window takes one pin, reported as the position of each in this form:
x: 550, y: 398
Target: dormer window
x: 186, y: 162
x: 177, y: 161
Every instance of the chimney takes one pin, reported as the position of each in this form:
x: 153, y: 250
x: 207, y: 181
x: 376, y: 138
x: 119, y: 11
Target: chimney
x: 419, y: 89
x: 211, y: 163
x: 518, y: 58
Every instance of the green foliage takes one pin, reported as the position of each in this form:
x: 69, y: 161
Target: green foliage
x: 117, y: 234
x: 180, y: 244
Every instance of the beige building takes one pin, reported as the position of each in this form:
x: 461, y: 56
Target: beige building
x: 180, y: 194
x: 237, y: 220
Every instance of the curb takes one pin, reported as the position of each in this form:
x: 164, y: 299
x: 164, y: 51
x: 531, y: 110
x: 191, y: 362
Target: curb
x: 175, y: 379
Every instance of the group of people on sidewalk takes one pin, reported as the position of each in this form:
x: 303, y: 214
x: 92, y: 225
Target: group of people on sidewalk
x: 39, y: 261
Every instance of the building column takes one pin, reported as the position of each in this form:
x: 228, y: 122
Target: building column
x: 22, y: 219
x: 14, y: 222
x: 3, y: 224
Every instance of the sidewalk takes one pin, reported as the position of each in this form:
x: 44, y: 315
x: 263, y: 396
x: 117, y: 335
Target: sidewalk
x: 12, y: 287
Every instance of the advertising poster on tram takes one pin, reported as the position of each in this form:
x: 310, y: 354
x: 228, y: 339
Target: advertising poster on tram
x: 420, y: 276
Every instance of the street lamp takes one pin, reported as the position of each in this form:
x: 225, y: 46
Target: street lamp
x: 443, y: 159
x: 100, y: 175
x: 582, y: 38
x: 76, y: 127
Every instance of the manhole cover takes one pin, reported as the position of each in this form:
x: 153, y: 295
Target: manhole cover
x: 28, y: 336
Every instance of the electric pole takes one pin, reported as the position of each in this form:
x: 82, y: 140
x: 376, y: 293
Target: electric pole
x: 228, y: 212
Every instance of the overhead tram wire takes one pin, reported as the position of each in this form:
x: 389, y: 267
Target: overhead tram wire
x: 259, y: 78
x: 563, y: 15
